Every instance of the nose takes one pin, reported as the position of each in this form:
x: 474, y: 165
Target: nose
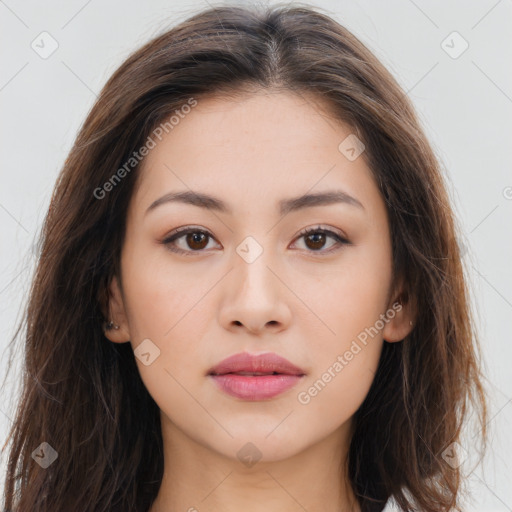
x: 255, y: 297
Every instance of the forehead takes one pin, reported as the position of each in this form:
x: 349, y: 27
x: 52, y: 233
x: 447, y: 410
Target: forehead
x: 252, y: 147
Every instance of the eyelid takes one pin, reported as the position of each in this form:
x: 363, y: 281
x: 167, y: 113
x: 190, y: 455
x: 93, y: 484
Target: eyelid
x: 328, y: 230
x: 339, y: 237
x: 178, y: 233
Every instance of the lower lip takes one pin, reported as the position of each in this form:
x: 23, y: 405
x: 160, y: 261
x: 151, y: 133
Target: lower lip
x: 259, y: 387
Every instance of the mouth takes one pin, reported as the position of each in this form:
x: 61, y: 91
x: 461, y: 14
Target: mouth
x: 253, y: 378
x: 252, y: 374
x: 260, y: 364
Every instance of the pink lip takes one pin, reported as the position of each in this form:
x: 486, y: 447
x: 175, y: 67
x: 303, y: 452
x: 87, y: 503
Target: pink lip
x: 255, y: 387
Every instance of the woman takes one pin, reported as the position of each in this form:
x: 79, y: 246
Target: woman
x: 250, y: 293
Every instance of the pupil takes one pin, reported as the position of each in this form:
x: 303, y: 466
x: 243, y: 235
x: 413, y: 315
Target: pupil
x: 317, y: 242
x: 195, y: 238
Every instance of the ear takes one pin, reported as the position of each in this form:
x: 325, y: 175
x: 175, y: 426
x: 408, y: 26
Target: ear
x: 120, y: 332
x: 402, y: 322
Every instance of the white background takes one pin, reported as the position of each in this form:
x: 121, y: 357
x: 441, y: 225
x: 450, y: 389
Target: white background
x: 465, y: 105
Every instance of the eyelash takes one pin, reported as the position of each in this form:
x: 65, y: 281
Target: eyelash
x: 181, y: 232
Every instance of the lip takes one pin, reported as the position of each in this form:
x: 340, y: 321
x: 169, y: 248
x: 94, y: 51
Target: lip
x: 280, y: 376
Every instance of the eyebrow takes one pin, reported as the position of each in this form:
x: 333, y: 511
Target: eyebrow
x: 285, y: 205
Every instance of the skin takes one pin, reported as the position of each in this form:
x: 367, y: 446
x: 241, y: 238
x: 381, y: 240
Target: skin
x: 307, y: 306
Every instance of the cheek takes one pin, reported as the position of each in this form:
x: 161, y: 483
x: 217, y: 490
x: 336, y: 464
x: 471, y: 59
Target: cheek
x: 171, y: 310
x: 350, y: 296
x: 348, y: 347
x: 160, y: 297
x: 331, y: 398
x: 346, y: 360
x: 174, y: 323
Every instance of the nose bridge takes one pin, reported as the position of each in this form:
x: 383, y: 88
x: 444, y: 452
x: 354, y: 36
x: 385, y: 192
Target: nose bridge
x: 254, y: 295
x: 251, y: 263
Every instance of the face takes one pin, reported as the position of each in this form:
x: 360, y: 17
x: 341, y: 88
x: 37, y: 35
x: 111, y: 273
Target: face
x: 246, y: 278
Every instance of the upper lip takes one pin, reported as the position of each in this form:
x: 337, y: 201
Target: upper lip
x: 261, y: 363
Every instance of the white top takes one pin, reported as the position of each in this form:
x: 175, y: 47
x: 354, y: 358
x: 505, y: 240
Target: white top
x: 391, y: 507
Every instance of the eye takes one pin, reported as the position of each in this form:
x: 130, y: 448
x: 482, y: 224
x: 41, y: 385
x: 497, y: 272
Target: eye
x: 194, y: 238
x: 315, y: 239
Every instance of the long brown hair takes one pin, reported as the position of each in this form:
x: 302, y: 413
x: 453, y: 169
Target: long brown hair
x: 83, y: 395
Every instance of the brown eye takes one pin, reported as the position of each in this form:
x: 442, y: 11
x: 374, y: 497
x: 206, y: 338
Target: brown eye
x: 193, y: 240
x: 315, y: 240
x: 196, y: 240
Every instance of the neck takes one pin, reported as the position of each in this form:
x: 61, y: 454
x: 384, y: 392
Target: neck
x: 197, y: 478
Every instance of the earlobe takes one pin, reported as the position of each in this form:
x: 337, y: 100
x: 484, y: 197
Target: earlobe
x: 116, y: 326
x: 401, y: 324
